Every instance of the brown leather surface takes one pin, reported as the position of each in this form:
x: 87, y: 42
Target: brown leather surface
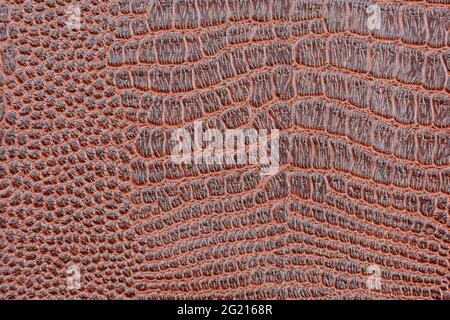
x: 87, y: 187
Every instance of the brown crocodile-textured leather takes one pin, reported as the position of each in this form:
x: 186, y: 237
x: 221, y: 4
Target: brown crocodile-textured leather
x: 92, y: 205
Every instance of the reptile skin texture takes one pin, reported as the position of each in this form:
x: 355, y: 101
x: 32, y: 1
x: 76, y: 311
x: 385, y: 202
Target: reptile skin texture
x: 93, y: 207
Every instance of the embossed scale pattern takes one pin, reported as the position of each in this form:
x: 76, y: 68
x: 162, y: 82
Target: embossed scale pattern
x: 86, y: 177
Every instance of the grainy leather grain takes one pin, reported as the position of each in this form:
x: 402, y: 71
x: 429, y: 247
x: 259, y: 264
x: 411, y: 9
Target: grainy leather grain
x: 87, y: 184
